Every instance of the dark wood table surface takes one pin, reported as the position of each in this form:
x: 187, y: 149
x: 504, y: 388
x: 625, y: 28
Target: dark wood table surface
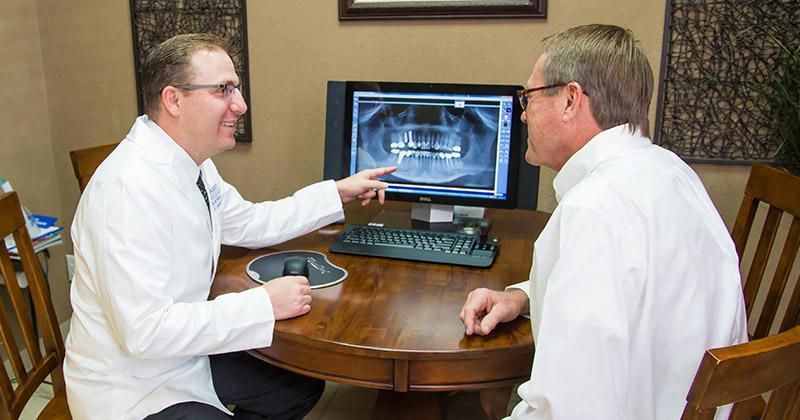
x: 394, y: 325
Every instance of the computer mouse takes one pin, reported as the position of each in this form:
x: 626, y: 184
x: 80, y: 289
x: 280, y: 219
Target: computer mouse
x: 295, y: 266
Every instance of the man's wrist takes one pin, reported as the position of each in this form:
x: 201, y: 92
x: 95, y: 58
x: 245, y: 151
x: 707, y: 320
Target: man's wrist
x: 338, y: 185
x: 521, y: 300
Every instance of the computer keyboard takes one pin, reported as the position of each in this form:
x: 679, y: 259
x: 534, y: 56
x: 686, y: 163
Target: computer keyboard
x: 415, y: 245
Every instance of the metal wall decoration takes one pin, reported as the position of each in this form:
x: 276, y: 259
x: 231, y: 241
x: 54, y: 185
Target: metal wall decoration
x: 154, y: 21
x: 715, y: 55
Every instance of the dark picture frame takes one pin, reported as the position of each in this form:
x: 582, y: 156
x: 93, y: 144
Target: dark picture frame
x: 441, y: 9
x: 154, y: 21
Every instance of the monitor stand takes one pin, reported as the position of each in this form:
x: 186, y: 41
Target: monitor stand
x: 459, y: 221
x: 432, y: 213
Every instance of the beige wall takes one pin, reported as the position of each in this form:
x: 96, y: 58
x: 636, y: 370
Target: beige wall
x: 82, y: 53
x: 26, y: 154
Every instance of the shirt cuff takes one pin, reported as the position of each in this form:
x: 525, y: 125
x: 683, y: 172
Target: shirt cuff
x: 525, y: 286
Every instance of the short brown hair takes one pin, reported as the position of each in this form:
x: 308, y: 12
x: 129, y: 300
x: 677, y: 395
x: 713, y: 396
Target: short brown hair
x: 610, y: 66
x: 168, y: 65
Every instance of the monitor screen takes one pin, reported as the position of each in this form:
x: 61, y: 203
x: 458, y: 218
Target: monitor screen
x: 452, y: 143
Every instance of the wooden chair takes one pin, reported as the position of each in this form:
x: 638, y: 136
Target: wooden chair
x: 17, y: 386
x: 781, y: 191
x: 740, y: 372
x: 86, y: 161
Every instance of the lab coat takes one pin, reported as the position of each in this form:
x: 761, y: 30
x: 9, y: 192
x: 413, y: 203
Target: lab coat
x: 633, y: 278
x: 145, y: 255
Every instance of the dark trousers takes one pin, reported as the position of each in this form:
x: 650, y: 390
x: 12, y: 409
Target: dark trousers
x: 258, y: 389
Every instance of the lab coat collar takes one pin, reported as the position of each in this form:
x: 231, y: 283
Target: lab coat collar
x: 163, y: 151
x: 605, y: 145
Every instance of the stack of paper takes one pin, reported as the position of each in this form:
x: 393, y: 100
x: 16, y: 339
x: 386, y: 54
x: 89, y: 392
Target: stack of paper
x: 47, y: 234
x: 42, y: 229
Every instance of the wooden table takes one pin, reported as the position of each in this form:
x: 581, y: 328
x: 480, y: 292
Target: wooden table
x: 394, y: 325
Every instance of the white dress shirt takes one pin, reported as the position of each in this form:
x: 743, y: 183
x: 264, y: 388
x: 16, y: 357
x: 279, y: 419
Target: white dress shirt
x: 145, y: 255
x: 633, y: 278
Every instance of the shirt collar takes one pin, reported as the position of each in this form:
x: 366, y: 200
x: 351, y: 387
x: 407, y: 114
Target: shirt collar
x: 604, y: 146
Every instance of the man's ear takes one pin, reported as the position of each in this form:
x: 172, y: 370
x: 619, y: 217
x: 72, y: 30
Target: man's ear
x: 171, y: 100
x: 572, y: 101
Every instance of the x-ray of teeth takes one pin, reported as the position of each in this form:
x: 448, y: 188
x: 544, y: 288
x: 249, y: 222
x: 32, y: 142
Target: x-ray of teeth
x: 430, y: 144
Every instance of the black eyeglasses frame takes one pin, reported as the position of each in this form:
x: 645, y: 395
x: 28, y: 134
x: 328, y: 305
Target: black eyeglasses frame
x: 522, y: 94
x: 227, y: 89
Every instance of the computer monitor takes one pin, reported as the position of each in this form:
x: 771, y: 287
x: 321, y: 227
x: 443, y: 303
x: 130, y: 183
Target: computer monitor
x: 454, y: 144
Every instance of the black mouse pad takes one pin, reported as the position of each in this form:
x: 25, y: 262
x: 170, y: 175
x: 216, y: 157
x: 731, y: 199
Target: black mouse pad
x: 321, y: 272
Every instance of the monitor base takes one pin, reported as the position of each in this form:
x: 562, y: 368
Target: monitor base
x: 473, y: 225
x: 400, y: 219
x: 432, y: 213
x: 443, y: 213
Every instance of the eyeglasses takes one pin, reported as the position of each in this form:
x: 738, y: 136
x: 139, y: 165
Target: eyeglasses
x: 522, y: 94
x: 227, y: 89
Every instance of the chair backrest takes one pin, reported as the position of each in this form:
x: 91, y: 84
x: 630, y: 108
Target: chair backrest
x: 740, y: 372
x: 781, y: 191
x: 86, y: 161
x: 19, y: 384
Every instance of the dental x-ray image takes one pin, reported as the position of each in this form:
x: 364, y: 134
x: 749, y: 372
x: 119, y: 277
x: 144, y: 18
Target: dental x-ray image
x: 435, y: 143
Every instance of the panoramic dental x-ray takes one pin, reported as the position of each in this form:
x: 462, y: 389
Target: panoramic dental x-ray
x: 431, y: 141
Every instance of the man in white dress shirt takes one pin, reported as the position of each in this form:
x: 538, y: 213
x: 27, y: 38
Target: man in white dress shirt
x: 147, y: 235
x: 635, y: 274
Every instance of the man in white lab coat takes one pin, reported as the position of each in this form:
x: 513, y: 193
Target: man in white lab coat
x: 635, y: 275
x: 147, y: 235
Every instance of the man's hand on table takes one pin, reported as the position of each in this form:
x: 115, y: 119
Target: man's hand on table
x: 485, y: 308
x: 290, y: 296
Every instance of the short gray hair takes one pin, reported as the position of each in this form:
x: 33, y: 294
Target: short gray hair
x: 610, y: 66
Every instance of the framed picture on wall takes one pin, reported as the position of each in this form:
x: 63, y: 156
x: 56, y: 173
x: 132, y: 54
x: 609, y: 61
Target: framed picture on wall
x: 438, y: 9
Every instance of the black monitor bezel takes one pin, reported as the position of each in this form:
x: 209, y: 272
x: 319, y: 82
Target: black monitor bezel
x: 451, y: 88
